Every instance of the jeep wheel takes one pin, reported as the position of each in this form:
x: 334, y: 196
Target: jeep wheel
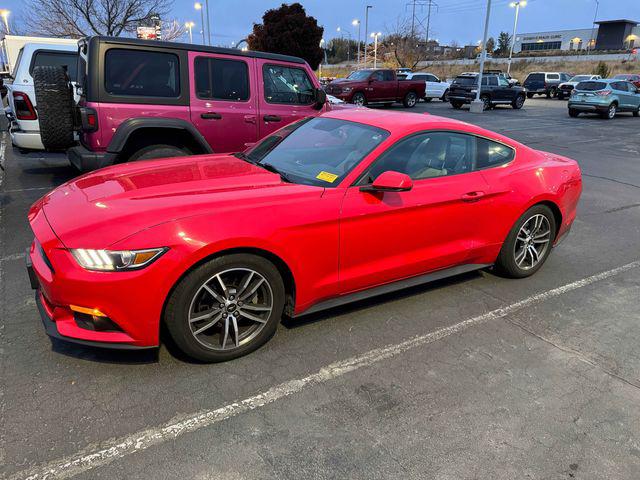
x: 410, y: 100
x: 518, y: 102
x: 359, y: 99
x: 54, y: 103
x: 158, y: 151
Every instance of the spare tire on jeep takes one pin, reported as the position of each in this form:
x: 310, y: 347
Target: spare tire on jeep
x: 54, y: 102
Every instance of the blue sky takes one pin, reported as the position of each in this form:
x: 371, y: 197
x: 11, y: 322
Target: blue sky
x: 460, y: 20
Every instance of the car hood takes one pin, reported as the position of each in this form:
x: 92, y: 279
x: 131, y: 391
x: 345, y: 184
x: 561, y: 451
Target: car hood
x: 103, y: 207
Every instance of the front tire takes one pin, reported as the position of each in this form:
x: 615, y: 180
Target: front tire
x: 518, y: 103
x: 456, y: 104
x: 359, y: 99
x: 528, y: 244
x: 225, y: 308
x: 529, y: 95
x: 410, y: 100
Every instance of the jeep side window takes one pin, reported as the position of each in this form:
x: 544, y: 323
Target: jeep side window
x: 141, y: 73
x: 287, y: 85
x: 221, y: 79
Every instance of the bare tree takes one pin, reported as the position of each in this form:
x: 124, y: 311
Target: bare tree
x: 173, y: 30
x: 79, y: 18
x: 407, y: 48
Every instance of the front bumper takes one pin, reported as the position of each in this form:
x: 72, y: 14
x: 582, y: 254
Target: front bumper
x: 85, y: 160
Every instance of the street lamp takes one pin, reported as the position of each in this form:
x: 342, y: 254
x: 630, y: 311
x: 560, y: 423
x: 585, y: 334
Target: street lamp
x: 5, y: 14
x: 593, y: 27
x: 198, y: 6
x: 357, y: 23
x: 189, y: 26
x: 366, y: 29
x: 516, y: 5
x: 375, y: 36
x: 477, y: 106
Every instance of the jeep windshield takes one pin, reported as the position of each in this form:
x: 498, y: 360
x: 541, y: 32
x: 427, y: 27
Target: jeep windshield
x: 315, y: 151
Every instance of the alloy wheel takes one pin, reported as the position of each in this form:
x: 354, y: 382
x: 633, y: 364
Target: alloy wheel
x: 532, y: 241
x: 611, y: 113
x: 411, y: 99
x: 230, y: 309
x: 358, y: 99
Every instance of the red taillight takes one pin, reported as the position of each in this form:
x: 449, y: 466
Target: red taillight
x: 603, y: 93
x: 89, y: 118
x: 23, y: 106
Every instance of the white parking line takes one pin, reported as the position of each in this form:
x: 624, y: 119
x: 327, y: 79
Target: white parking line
x: 82, y: 462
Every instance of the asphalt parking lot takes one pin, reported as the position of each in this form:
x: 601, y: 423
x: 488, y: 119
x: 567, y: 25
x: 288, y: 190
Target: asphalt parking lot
x: 476, y: 377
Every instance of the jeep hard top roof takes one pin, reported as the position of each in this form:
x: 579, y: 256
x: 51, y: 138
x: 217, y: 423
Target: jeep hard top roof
x: 188, y: 46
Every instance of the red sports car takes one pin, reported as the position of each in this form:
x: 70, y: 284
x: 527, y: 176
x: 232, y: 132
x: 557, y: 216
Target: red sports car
x: 325, y: 211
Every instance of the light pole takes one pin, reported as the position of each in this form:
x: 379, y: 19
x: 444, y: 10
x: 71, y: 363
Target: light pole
x: 517, y: 5
x: 198, y: 6
x: 477, y: 106
x: 206, y: 2
x: 189, y: 26
x: 375, y: 36
x: 354, y: 23
x: 366, y: 29
x: 593, y: 26
x: 5, y: 14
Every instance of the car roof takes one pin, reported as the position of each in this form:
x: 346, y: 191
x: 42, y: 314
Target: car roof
x: 394, y: 121
x: 194, y: 47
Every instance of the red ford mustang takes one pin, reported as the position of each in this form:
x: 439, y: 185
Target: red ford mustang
x: 325, y: 211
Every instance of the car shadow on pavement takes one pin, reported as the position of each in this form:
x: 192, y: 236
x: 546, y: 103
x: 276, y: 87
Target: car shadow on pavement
x: 381, y: 299
x: 104, y: 355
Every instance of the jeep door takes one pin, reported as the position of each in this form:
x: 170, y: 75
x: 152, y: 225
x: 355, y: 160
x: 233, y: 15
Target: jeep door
x: 224, y: 100
x: 287, y: 93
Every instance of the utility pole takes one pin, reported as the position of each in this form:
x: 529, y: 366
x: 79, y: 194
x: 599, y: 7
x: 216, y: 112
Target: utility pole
x: 358, y: 23
x: 429, y: 18
x: 366, y: 32
x: 593, y: 27
x: 477, y: 105
x: 413, y: 19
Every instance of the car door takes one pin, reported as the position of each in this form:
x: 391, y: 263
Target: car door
x: 287, y: 94
x: 223, y: 100
x: 387, y: 236
x: 624, y: 96
x: 503, y: 91
x: 434, y: 86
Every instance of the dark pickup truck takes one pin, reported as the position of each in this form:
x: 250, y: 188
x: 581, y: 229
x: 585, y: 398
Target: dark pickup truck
x: 377, y: 86
x: 496, y: 90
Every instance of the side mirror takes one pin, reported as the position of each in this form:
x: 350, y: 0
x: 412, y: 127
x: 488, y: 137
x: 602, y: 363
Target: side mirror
x: 320, y: 98
x: 390, y: 181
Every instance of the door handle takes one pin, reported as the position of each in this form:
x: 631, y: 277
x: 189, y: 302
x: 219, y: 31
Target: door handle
x: 211, y: 116
x: 271, y: 118
x: 472, y: 196
x: 250, y: 119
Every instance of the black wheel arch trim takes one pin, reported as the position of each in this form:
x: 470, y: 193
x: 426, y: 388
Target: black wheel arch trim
x: 128, y: 127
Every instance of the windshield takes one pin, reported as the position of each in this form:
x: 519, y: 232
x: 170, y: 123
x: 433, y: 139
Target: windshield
x: 316, y: 151
x: 359, y: 75
x: 580, y: 78
x: 591, y: 86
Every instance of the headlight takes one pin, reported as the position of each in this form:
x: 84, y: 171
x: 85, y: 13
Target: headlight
x: 346, y: 89
x: 115, y: 259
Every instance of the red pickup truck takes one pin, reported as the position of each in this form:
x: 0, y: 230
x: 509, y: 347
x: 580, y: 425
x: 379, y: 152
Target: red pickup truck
x: 376, y: 86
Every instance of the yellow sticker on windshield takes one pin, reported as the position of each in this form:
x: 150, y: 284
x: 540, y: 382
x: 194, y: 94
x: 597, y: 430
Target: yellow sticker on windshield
x: 327, y: 177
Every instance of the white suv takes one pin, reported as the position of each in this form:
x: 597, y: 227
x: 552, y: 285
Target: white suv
x: 435, y: 88
x: 22, y: 112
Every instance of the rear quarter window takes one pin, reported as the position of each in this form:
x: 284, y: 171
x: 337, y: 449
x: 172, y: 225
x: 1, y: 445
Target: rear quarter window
x: 142, y: 73
x: 492, y: 154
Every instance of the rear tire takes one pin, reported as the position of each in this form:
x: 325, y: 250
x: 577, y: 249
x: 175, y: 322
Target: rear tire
x: 486, y: 102
x: 55, y: 107
x: 158, y: 151
x: 508, y: 262
x: 573, y: 112
x: 610, y: 114
x: 410, y: 100
x: 188, y: 298
x: 529, y: 95
x: 455, y: 104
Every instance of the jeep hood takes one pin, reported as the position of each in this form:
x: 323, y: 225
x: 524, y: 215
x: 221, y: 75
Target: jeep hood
x: 103, y: 207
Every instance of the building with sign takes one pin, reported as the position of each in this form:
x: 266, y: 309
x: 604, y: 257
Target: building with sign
x: 607, y: 35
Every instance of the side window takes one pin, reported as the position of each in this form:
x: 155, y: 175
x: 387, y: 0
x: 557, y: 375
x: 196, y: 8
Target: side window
x: 388, y: 75
x: 503, y: 82
x: 69, y: 61
x: 553, y: 76
x: 485, y: 81
x: 492, y: 154
x: 420, y: 77
x: 142, y: 73
x: 287, y: 85
x: 378, y: 75
x: 221, y: 79
x: 431, y: 78
x: 493, y: 81
x: 622, y: 86
x: 426, y: 155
